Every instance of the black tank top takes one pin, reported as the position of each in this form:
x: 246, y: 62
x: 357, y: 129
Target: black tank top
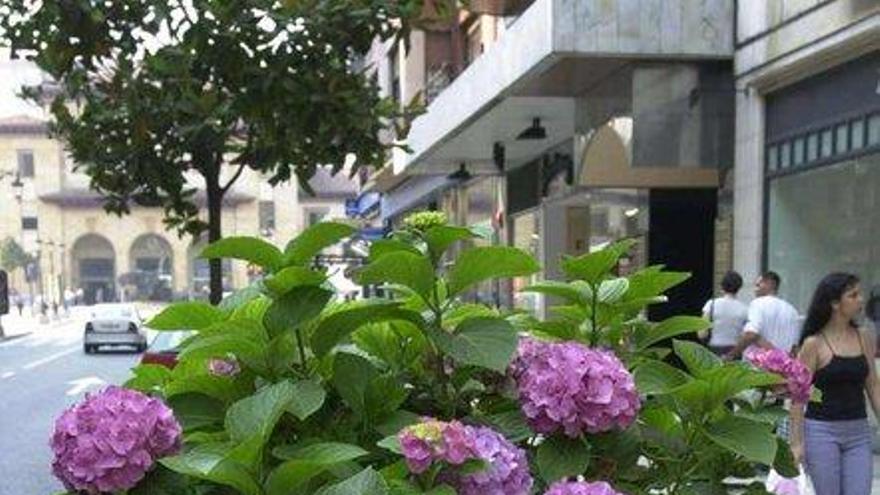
x: 842, y: 382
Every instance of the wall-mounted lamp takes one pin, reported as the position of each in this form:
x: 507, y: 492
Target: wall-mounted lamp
x: 534, y: 132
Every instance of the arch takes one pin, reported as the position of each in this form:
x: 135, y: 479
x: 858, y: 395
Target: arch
x: 94, y: 268
x: 609, y: 150
x: 151, y: 268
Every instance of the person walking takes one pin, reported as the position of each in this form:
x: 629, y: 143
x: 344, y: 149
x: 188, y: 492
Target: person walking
x: 772, y: 321
x: 727, y: 314
x: 832, y: 438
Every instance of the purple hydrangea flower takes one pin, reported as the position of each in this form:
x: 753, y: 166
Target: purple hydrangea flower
x: 224, y: 367
x: 110, y: 440
x: 581, y: 488
x: 574, y: 388
x: 798, y: 379
x: 506, y: 470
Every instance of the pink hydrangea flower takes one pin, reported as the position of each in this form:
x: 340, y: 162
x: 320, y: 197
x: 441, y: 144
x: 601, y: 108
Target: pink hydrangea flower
x: 224, y: 367
x: 798, y: 379
x: 110, y: 440
x: 581, y: 488
x: 454, y: 443
x: 570, y: 387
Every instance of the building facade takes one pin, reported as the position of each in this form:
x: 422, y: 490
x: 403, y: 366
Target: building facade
x: 576, y: 123
x: 48, y: 208
x: 807, y: 177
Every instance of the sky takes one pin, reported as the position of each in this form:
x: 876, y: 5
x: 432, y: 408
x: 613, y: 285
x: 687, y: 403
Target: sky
x: 13, y: 74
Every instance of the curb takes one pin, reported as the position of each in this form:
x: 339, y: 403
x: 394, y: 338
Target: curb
x: 10, y: 338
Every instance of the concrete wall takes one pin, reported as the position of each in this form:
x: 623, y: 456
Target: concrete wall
x: 783, y: 41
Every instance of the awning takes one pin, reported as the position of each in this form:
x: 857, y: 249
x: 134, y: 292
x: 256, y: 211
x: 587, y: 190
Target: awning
x: 417, y: 191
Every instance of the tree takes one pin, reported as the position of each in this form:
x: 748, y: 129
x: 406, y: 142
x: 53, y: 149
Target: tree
x: 147, y: 94
x: 12, y: 256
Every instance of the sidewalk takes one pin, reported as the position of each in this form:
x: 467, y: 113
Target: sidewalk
x: 15, y: 326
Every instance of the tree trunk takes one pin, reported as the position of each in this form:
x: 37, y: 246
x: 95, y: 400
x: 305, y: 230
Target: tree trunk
x: 215, y: 205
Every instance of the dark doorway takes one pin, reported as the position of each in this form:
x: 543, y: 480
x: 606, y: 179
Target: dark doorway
x: 682, y: 237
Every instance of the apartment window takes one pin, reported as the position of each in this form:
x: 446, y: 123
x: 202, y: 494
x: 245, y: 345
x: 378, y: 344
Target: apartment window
x: 812, y: 147
x: 773, y: 158
x: 315, y: 216
x: 798, y: 153
x: 26, y: 163
x: 841, y: 142
x: 267, y: 218
x: 29, y: 223
x: 858, y: 134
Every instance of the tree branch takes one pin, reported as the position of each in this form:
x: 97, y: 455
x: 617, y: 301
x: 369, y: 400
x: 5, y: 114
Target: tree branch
x: 233, y: 179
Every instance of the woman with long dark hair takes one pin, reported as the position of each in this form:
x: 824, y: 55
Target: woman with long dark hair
x: 832, y: 437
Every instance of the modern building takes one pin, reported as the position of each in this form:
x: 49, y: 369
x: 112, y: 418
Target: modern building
x: 575, y: 123
x: 807, y: 177
x: 49, y: 209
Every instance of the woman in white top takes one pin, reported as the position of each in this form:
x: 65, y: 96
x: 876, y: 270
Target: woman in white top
x: 727, y: 314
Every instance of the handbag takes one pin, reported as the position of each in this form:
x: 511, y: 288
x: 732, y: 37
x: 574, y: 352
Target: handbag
x: 779, y: 485
x: 706, y: 335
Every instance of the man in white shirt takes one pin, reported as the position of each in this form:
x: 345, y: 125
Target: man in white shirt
x: 772, y: 321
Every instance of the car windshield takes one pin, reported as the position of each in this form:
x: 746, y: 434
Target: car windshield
x: 113, y: 311
x: 169, y: 341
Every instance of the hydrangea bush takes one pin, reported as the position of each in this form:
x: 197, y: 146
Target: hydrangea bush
x: 285, y: 389
x: 798, y: 379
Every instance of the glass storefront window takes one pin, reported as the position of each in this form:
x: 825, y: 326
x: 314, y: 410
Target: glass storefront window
x: 858, y: 134
x: 784, y: 155
x: 842, y: 139
x: 822, y: 221
x: 798, y: 145
x: 874, y: 130
x: 527, y: 236
x: 827, y: 143
x: 483, y: 202
x: 812, y: 147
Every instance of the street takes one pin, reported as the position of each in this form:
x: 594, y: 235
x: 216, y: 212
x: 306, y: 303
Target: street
x: 41, y: 374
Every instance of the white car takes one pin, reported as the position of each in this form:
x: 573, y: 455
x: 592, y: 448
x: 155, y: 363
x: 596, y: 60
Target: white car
x: 114, y: 324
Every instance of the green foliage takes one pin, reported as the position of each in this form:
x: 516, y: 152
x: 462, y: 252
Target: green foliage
x: 326, y: 386
x: 12, y: 255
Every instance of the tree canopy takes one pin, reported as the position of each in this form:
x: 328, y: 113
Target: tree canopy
x: 148, y: 94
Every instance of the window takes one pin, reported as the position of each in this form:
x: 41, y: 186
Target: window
x: 798, y: 151
x: 772, y: 158
x: 29, y: 223
x: 267, y: 218
x: 874, y: 130
x: 785, y: 156
x: 315, y: 216
x: 841, y: 142
x: 26, y: 163
x: 812, y: 147
x: 858, y: 134
x: 827, y: 148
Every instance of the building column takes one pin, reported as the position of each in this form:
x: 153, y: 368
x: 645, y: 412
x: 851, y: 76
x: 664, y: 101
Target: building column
x: 748, y: 192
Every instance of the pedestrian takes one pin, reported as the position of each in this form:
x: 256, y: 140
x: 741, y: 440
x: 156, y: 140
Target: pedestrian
x: 832, y: 437
x: 19, y: 303
x: 772, y: 321
x: 727, y: 314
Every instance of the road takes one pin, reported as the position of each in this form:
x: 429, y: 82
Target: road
x: 40, y: 375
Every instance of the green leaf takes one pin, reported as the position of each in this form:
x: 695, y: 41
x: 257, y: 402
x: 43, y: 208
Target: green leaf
x: 458, y: 313
x: 296, y: 307
x: 241, y: 298
x: 754, y: 441
x: 186, y: 316
x: 195, y: 410
x: 307, y: 397
x: 564, y: 290
x: 367, y: 482
x: 258, y: 414
x: 250, y: 249
x: 651, y: 282
x: 245, y: 339
x: 336, y: 326
x: 293, y: 276
x: 593, y: 267
x: 148, y: 378
x: 485, y: 263
x: 512, y: 424
x: 397, y: 421
x: 382, y: 247
x: 656, y: 377
x: 320, y: 453
x: 313, y: 240
x: 698, y: 359
x: 670, y: 327
x: 561, y: 457
x: 209, y: 462
x: 400, y: 267
x: 160, y: 481
x: 391, y: 443
x: 351, y: 377
x: 485, y: 342
x: 440, y: 237
x: 399, y: 344
x: 784, y: 463
x: 611, y: 291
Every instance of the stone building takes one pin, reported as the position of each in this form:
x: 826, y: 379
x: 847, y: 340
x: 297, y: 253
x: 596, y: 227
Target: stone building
x: 49, y: 209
